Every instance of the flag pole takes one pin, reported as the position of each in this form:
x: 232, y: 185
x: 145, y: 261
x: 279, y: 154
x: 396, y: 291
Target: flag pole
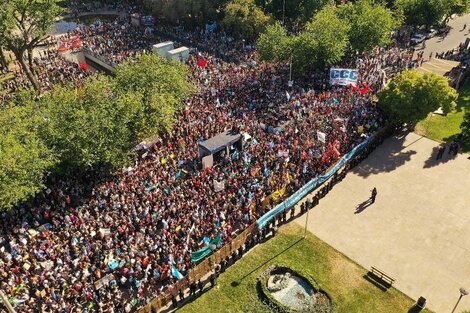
x: 6, y: 303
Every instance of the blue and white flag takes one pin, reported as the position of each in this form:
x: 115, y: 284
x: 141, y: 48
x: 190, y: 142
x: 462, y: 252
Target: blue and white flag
x: 176, y: 274
x: 211, y: 27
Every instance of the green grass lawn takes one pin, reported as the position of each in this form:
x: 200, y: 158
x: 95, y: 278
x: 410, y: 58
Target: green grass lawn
x: 445, y: 128
x: 335, y: 273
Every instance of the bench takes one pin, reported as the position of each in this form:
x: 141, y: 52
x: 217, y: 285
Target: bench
x: 381, y: 275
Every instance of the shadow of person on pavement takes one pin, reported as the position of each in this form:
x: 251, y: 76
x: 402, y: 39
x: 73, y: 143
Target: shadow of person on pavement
x: 364, y: 205
x: 431, y: 161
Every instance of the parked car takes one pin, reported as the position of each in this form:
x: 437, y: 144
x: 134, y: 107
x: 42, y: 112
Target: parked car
x: 417, y: 38
x: 443, y: 30
x: 432, y: 32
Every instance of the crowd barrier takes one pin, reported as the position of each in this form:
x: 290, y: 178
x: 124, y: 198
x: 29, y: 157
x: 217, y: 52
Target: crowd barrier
x: 201, y: 270
x: 227, y: 251
x: 310, y: 186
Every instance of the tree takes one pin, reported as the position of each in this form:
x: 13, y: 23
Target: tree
x: 245, y: 19
x: 24, y: 25
x: 411, y: 96
x: 465, y: 127
x: 294, y: 10
x: 274, y: 45
x: 163, y: 86
x: 322, y: 44
x: 371, y: 25
x: 190, y: 12
x: 430, y: 12
x: 90, y: 127
x: 25, y: 159
x: 327, y: 36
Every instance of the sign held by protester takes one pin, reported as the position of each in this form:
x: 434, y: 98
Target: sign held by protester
x: 321, y: 136
x: 343, y: 76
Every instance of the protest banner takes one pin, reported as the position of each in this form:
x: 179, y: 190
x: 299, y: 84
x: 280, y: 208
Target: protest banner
x: 343, y: 76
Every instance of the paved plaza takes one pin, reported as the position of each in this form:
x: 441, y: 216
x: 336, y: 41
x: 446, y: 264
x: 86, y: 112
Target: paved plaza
x: 417, y: 231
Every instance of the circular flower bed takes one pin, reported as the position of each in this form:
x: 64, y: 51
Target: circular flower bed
x: 292, y: 292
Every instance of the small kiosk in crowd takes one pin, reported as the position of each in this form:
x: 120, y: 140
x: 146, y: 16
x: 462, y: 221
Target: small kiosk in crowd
x: 219, y: 147
x: 179, y: 54
x: 162, y: 48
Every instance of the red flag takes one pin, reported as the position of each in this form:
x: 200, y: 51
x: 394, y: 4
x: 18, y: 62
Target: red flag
x: 354, y: 88
x: 83, y: 66
x: 364, y: 90
x: 202, y: 63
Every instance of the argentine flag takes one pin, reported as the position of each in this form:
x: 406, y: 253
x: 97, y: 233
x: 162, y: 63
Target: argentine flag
x: 176, y: 274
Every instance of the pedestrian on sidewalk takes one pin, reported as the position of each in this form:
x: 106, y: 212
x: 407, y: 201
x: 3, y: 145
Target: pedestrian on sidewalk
x: 373, y: 195
x: 441, y: 151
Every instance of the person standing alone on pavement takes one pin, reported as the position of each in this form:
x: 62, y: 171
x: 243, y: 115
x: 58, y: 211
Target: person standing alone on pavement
x: 441, y: 151
x: 373, y: 195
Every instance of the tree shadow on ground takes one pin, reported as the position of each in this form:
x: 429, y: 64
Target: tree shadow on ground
x: 386, y: 158
x: 446, y: 157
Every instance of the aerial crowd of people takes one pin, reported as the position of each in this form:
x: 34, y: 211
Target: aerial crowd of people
x: 128, y: 231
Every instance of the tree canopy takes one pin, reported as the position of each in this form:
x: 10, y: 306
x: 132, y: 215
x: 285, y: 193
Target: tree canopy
x: 25, y: 159
x: 371, y: 24
x: 244, y: 18
x: 430, y: 12
x: 323, y: 42
x: 274, y: 44
x: 163, y: 86
x: 411, y: 96
x: 327, y: 35
x: 72, y: 131
x: 88, y: 127
x: 188, y: 12
x: 293, y: 10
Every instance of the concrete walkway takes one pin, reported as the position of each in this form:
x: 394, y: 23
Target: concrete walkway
x: 455, y: 36
x: 417, y: 231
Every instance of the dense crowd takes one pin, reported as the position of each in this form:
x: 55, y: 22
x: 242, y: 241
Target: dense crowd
x: 50, y: 68
x: 127, y: 231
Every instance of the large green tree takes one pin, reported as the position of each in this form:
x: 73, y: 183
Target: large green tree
x: 371, y: 24
x: 293, y: 10
x: 24, y: 158
x: 430, y: 12
x: 275, y: 45
x: 411, y: 96
x: 322, y: 44
x: 245, y: 19
x: 163, y: 85
x: 23, y: 26
x: 327, y: 36
x: 90, y: 127
x: 189, y: 12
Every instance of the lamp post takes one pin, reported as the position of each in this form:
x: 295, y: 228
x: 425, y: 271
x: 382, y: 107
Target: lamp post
x: 6, y: 303
x: 463, y: 292
x: 306, y: 223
